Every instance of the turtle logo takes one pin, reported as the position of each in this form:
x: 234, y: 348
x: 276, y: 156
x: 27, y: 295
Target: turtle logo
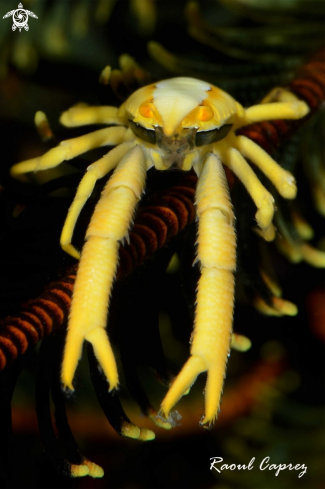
x: 20, y: 18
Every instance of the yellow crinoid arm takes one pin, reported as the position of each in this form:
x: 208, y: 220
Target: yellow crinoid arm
x: 279, y: 307
x: 108, y: 226
x: 81, y: 116
x: 95, y: 171
x: 71, y: 148
x: 215, y: 295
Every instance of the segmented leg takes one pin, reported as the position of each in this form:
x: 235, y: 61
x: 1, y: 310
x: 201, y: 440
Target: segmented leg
x: 109, y: 224
x: 262, y: 198
x: 215, y: 295
x: 277, y: 110
x: 71, y: 148
x: 282, y: 179
x: 95, y: 171
x: 81, y: 116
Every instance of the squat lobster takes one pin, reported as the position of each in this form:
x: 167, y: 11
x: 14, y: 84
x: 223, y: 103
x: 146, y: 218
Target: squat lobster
x: 183, y: 123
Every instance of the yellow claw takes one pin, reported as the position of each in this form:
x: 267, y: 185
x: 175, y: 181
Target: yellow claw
x: 215, y: 294
x: 108, y: 226
x: 95, y: 274
x: 184, y: 380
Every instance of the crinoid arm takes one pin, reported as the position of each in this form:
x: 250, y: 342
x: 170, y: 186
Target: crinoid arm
x: 215, y: 293
x: 108, y: 226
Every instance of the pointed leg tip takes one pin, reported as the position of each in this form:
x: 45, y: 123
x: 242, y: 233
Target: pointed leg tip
x: 208, y: 422
x: 71, y: 250
x: 159, y: 420
x: 67, y: 389
x: 113, y: 386
x: 168, y: 418
x: 163, y: 412
x: 268, y: 234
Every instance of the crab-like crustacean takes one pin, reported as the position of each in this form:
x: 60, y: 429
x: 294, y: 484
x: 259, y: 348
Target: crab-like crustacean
x: 183, y: 123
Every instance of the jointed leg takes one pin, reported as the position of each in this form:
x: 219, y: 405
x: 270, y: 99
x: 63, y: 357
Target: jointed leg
x: 276, y: 110
x: 108, y: 226
x: 282, y: 179
x: 81, y: 116
x: 95, y: 171
x: 262, y: 198
x: 69, y: 149
x: 213, y: 321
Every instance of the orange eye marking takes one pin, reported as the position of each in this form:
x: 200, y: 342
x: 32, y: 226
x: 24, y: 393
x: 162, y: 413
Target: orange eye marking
x: 146, y: 110
x: 204, y: 113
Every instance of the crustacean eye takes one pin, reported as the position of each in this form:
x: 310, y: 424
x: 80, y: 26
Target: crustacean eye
x: 208, y: 137
x: 141, y: 132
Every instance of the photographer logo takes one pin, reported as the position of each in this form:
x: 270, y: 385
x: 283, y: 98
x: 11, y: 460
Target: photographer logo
x: 20, y: 18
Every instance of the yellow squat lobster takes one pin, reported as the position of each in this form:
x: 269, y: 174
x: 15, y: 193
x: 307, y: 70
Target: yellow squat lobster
x: 183, y: 123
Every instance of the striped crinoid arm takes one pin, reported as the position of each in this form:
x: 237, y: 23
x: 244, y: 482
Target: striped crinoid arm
x: 36, y: 319
x: 165, y: 215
